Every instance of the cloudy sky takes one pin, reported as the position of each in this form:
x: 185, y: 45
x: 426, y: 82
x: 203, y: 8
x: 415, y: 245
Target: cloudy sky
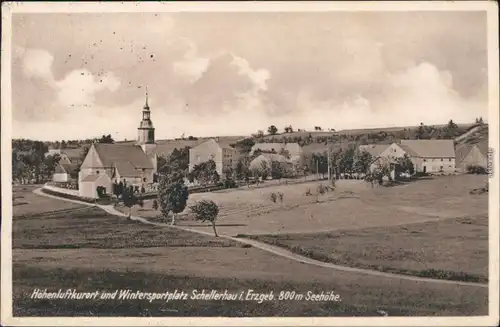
x: 83, y: 75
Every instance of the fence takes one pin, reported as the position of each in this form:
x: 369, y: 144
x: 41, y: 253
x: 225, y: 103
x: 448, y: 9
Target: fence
x: 62, y: 190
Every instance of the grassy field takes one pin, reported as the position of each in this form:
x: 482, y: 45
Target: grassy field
x: 455, y: 249
x: 91, y: 227
x: 360, y: 295
x: 26, y: 203
x: 87, y: 249
x: 353, y: 205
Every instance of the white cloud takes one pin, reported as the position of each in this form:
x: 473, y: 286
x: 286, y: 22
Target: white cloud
x: 79, y: 87
x: 258, y: 77
x: 76, y: 89
x: 37, y: 63
x: 192, y: 65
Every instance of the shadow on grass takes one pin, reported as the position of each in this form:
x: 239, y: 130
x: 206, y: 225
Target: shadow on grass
x: 310, y: 253
x: 26, y: 278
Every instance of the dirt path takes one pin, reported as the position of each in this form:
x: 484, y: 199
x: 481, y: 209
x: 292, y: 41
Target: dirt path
x: 274, y: 249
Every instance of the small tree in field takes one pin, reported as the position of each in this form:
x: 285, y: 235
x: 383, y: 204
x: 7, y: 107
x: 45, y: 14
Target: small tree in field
x: 280, y: 197
x: 321, y: 190
x: 129, y: 199
x: 206, y: 210
x: 172, y: 192
x: 155, y: 205
x: 273, y: 197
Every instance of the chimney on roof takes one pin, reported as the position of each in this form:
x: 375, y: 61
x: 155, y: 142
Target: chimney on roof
x: 217, y: 139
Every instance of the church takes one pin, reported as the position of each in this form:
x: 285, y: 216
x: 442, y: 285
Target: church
x: 135, y: 163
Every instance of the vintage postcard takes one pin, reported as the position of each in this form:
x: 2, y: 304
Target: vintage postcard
x: 250, y: 163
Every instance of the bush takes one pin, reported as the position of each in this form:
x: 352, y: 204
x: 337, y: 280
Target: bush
x: 101, y: 192
x: 273, y: 197
x: 155, y: 204
x: 229, y: 183
x: 476, y: 169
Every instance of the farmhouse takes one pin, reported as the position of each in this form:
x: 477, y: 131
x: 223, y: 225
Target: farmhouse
x: 427, y: 156
x: 471, y: 155
x: 222, y: 153
x: 65, y: 172
x: 268, y: 159
x: 68, y: 156
x: 294, y: 150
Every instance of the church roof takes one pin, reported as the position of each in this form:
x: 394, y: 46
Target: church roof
x: 127, y: 169
x: 110, y: 154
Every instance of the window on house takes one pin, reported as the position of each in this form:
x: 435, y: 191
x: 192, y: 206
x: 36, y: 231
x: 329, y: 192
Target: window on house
x: 97, y: 172
x: 144, y: 180
x: 449, y: 159
x: 425, y: 160
x: 441, y: 159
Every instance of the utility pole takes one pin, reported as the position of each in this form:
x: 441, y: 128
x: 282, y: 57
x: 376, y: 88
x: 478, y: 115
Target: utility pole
x: 328, y: 158
x: 317, y: 168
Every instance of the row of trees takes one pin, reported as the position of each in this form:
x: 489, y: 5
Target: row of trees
x: 29, y: 163
x: 450, y: 131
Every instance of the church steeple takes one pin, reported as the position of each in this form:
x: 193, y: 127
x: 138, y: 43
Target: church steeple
x: 146, y: 131
x: 146, y: 106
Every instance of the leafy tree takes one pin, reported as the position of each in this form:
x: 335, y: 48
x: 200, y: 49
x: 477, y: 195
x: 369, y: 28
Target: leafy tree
x: 273, y: 130
x: 420, y: 134
x: 320, y: 190
x: 265, y: 170
x: 280, y: 197
x: 245, y: 145
x: 206, y: 172
x: 106, y: 139
x: 277, y: 170
x: 285, y: 153
x: 49, y: 165
x: 155, y: 204
x: 288, y: 129
x: 405, y: 164
x: 362, y: 163
x: 129, y: 199
x: 206, y: 210
x: 161, y: 161
x: 273, y: 197
x: 172, y: 192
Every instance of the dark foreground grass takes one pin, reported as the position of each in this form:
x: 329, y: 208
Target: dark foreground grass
x: 452, y: 249
x: 94, y: 228
x: 393, y: 301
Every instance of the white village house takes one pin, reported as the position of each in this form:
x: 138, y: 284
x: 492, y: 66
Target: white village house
x: 221, y: 152
x: 294, y: 150
x: 268, y: 159
x: 427, y: 156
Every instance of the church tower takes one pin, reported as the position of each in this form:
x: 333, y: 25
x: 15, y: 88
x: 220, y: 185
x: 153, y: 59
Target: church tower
x: 146, y: 131
x: 146, y: 135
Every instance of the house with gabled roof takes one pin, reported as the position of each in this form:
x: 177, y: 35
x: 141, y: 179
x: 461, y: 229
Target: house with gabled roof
x: 428, y: 156
x: 125, y: 163
x: 65, y: 172
x: 222, y: 153
x: 471, y: 155
x: 294, y: 150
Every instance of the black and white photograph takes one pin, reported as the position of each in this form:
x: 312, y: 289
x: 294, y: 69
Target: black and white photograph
x: 250, y: 163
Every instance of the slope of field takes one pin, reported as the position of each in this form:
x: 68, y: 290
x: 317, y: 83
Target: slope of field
x: 111, y: 253
x: 27, y: 204
x: 91, y: 227
x: 455, y: 249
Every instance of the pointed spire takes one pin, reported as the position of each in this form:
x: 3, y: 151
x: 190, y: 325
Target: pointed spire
x: 146, y: 106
